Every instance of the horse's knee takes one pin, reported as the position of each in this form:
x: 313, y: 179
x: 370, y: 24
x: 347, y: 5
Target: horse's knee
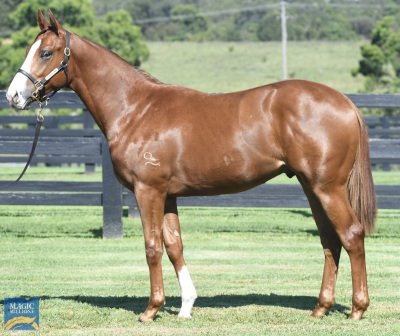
x: 154, y: 254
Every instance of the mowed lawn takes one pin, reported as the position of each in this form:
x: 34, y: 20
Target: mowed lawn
x: 256, y: 271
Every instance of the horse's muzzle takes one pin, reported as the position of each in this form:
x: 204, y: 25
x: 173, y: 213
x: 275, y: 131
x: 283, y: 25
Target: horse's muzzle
x: 17, y: 101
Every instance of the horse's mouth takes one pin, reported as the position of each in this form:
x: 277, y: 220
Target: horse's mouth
x: 15, y: 103
x: 27, y: 104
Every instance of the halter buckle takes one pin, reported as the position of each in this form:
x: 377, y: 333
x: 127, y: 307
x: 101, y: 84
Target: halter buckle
x: 67, y: 52
x: 35, y: 95
x: 39, y: 86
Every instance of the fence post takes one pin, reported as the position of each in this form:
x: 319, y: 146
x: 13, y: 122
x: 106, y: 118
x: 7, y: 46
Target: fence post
x: 112, y: 198
x: 88, y: 123
x: 133, y: 210
x: 385, y: 125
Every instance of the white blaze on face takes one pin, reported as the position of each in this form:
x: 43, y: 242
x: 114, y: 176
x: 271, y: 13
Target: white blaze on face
x: 19, y: 90
x: 188, y: 292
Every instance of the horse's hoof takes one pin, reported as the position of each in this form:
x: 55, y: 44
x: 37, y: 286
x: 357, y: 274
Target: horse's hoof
x: 319, y: 312
x: 143, y: 319
x: 356, y: 315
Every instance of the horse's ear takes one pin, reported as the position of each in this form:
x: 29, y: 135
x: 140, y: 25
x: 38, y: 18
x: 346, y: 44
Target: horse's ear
x: 43, y: 23
x: 54, y: 23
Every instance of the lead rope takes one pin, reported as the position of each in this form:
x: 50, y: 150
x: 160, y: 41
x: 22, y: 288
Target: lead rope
x: 39, y: 122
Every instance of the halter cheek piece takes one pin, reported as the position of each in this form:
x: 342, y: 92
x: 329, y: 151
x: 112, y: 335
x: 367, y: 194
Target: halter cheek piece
x: 39, y: 94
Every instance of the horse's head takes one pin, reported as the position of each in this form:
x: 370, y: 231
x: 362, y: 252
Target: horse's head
x: 47, y: 53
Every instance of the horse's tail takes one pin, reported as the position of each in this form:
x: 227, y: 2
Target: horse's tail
x: 360, y: 186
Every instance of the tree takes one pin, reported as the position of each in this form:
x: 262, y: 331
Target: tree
x: 191, y: 23
x: 6, y: 7
x: 117, y: 33
x: 380, y: 62
x: 114, y: 30
x: 269, y: 28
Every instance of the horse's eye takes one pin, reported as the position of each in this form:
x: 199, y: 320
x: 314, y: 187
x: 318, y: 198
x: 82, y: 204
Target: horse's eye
x: 46, y: 54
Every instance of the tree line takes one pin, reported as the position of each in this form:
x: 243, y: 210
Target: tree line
x: 254, y: 20
x: 226, y: 20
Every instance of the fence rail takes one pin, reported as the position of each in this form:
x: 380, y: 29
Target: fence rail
x: 88, y: 146
x: 69, y: 99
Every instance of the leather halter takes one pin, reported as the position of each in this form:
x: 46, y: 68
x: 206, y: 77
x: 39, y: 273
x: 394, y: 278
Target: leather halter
x: 39, y: 94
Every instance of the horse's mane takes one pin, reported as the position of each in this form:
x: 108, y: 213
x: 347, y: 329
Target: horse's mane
x: 136, y: 69
x: 148, y: 76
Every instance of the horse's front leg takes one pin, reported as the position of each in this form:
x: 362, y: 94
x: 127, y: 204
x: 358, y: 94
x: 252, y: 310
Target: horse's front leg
x: 151, y: 205
x: 173, y: 245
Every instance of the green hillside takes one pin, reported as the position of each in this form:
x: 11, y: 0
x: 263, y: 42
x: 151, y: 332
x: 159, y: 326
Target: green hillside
x: 227, y: 66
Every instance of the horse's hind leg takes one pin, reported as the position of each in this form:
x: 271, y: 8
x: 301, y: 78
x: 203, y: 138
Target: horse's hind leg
x: 334, y: 205
x: 332, y: 248
x: 174, y: 247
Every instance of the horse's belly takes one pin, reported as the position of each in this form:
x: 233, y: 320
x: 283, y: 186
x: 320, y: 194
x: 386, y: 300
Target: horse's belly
x: 224, y: 178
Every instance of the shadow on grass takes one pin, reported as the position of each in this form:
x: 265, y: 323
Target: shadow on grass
x: 138, y: 305
x: 304, y: 213
x: 91, y: 233
x: 97, y: 233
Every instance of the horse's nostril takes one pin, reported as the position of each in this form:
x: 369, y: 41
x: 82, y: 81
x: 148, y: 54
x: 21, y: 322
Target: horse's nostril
x: 11, y: 96
x: 15, y: 98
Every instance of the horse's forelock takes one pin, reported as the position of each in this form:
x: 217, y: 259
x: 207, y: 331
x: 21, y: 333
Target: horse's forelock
x: 45, y: 30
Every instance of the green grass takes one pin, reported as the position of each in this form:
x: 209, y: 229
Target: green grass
x: 227, y: 67
x: 42, y: 173
x: 76, y: 173
x: 257, y: 271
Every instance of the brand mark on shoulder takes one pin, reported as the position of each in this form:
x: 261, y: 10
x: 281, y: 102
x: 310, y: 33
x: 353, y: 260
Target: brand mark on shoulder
x: 150, y: 159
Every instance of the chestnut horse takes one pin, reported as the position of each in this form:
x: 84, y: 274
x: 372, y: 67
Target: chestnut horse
x: 168, y: 141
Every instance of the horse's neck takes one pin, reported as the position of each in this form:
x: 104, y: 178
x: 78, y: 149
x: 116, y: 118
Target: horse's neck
x: 106, y: 84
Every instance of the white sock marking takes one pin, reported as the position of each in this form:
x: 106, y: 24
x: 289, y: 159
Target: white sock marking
x: 188, y: 292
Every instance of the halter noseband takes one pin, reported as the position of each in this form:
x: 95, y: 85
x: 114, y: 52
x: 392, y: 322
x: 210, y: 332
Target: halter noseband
x: 39, y: 94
